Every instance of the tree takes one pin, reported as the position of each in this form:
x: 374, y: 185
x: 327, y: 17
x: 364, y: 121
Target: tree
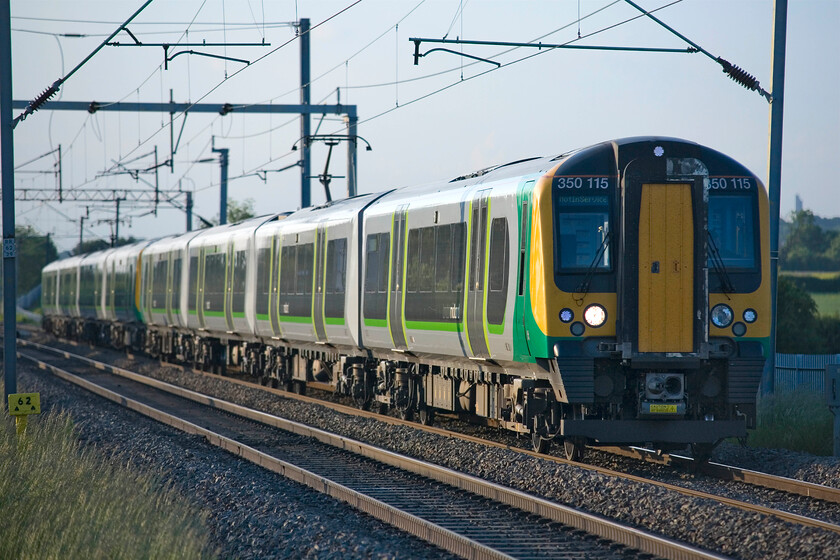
x: 796, y: 319
x: 90, y: 246
x: 808, y: 246
x: 236, y: 212
x: 34, y: 252
x: 93, y: 245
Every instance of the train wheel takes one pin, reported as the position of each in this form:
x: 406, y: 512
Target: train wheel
x: 701, y: 452
x: 539, y: 443
x: 427, y: 416
x: 573, y: 448
x: 406, y: 414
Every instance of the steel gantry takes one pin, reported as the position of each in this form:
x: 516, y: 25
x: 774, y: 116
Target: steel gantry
x: 176, y: 108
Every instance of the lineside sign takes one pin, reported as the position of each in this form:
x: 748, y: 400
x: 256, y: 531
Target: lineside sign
x: 22, y: 404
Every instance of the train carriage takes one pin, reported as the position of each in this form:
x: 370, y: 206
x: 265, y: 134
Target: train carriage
x: 219, y: 276
x: 160, y: 272
x: 654, y: 265
x: 121, y: 290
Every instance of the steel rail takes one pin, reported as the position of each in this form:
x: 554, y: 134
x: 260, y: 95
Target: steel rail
x: 592, y: 524
x: 418, y: 527
x: 792, y: 486
x: 735, y: 474
x: 723, y: 472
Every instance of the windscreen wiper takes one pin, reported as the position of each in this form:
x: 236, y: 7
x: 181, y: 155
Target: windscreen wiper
x: 717, y: 262
x: 583, y: 288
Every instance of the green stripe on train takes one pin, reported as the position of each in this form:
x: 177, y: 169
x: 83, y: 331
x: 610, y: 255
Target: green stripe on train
x: 293, y: 319
x: 434, y: 326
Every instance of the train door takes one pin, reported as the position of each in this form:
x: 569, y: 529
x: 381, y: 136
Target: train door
x: 146, y: 273
x: 274, y: 283
x: 666, y: 269
x: 112, y: 290
x: 199, y: 303
x: 318, y: 302
x: 479, y: 210
x: 396, y: 288
x: 168, y: 291
x: 228, y: 305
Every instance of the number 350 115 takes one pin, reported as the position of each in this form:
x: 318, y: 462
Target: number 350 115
x: 583, y: 182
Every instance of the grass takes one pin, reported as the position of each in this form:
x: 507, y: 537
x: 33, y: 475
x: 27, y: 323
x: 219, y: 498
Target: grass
x: 820, y: 275
x: 799, y: 421
x: 59, y: 501
x: 827, y: 304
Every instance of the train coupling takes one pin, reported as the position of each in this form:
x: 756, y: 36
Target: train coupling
x: 663, y: 395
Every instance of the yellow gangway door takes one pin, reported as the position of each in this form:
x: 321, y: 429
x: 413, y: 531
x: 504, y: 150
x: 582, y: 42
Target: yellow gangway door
x: 666, y: 269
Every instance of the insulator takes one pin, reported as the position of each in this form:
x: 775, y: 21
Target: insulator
x: 739, y: 74
x: 43, y: 98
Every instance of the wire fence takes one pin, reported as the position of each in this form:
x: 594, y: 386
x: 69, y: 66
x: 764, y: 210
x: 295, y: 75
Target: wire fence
x: 802, y: 372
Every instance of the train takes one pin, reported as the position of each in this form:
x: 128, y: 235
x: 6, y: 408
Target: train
x: 617, y: 294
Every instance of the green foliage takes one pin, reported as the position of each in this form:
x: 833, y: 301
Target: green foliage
x: 828, y: 305
x: 94, y: 245
x: 236, y: 212
x: 799, y: 421
x: 796, y: 319
x: 34, y: 252
x: 60, y: 501
x: 815, y: 282
x: 90, y: 246
x: 799, y: 329
x: 808, y: 246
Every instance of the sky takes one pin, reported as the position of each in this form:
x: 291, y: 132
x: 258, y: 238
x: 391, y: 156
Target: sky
x: 444, y: 117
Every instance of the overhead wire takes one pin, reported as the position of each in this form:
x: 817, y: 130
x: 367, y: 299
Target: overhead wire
x: 594, y: 12
x: 458, y: 12
x: 500, y: 53
x: 528, y: 57
x: 425, y: 96
x: 236, y: 73
x: 100, y: 22
x: 140, y: 35
x: 158, y: 69
x: 343, y: 63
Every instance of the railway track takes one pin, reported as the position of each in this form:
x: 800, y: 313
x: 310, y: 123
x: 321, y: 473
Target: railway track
x: 461, y: 513
x: 722, y: 472
x: 734, y: 474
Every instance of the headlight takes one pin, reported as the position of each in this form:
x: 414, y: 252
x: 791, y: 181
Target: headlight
x: 721, y: 315
x: 566, y: 315
x: 595, y: 315
x: 750, y: 316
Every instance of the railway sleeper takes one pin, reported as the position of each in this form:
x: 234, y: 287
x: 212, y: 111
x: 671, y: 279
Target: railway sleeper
x: 414, y: 389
